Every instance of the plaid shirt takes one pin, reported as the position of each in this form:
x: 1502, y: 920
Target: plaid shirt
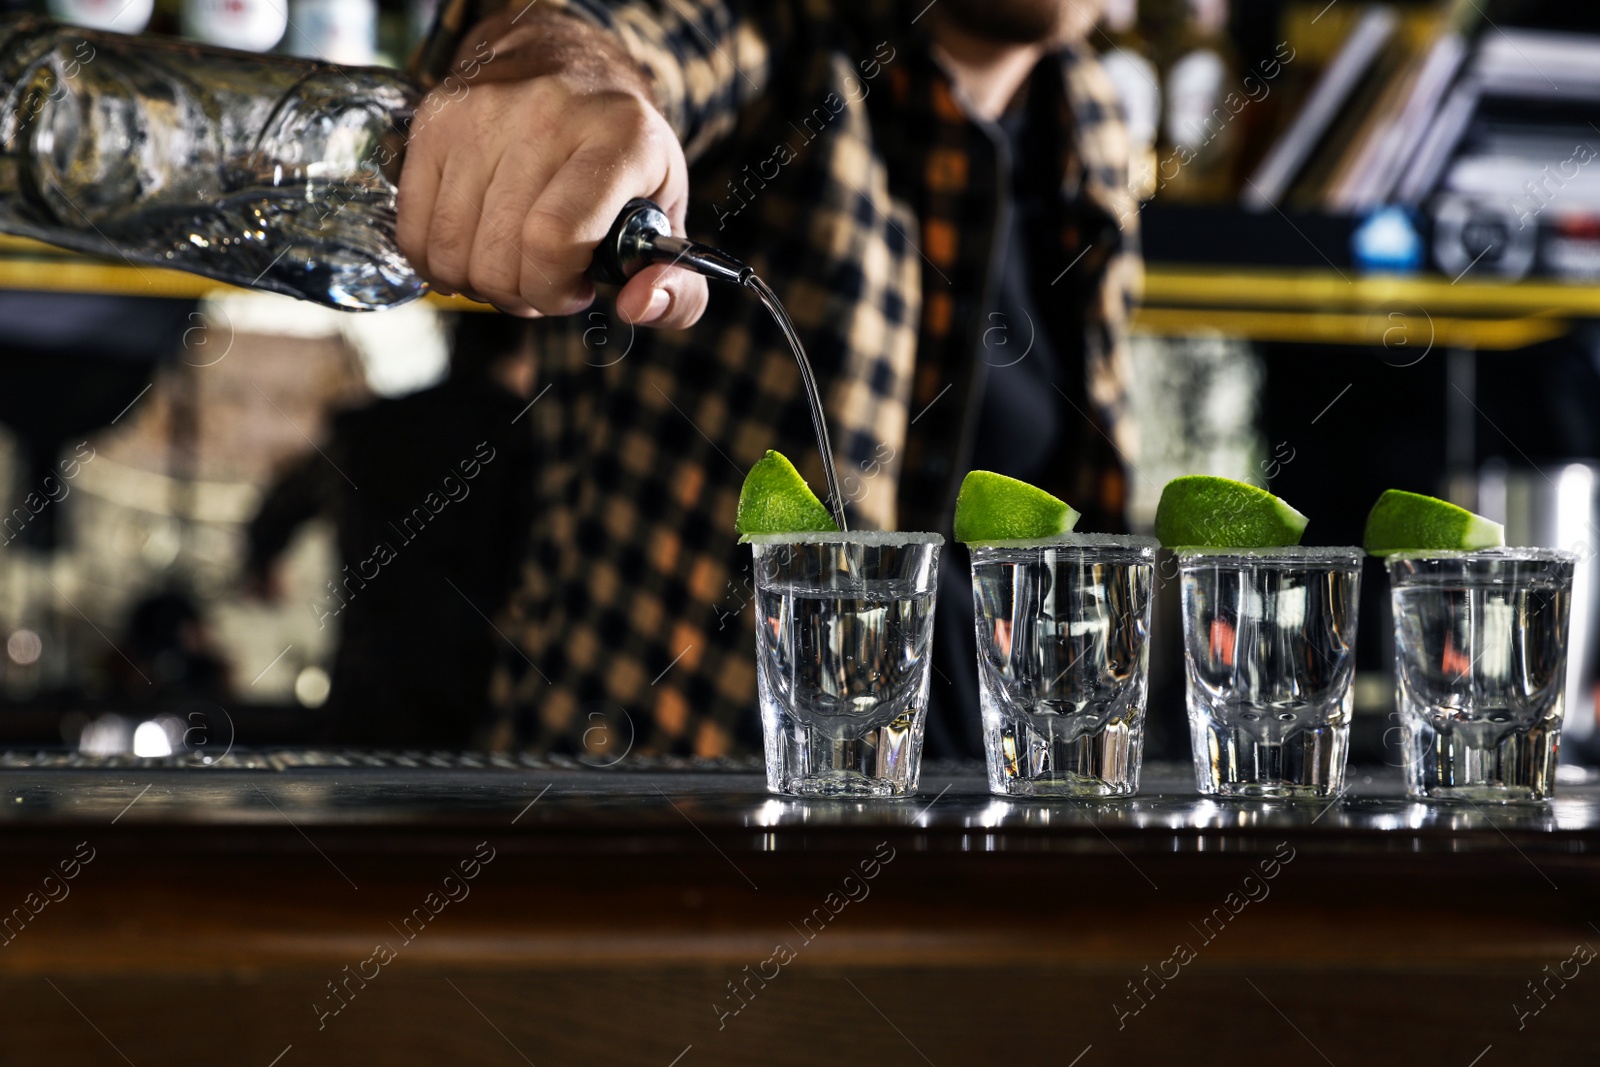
x: 831, y: 152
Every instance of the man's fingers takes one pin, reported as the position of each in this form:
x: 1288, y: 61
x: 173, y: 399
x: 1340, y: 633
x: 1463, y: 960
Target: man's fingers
x: 497, y: 255
x: 457, y: 211
x: 664, y: 296
x: 508, y: 200
x: 560, y: 235
x: 578, y: 206
x: 419, y: 189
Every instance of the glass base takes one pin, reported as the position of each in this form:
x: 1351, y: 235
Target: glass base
x: 1271, y: 791
x: 1258, y: 760
x: 842, y: 757
x: 1489, y: 794
x: 1039, y: 756
x: 1071, y: 785
x: 1480, y: 762
x: 840, y: 784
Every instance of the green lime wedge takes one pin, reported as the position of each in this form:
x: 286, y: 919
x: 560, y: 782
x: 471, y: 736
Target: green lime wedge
x: 1201, y: 511
x: 775, y: 499
x: 1411, y: 522
x: 992, y: 507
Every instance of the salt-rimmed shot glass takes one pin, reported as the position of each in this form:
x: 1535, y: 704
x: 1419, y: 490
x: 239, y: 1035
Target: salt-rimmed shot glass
x: 844, y: 636
x: 1063, y: 628
x: 1269, y: 653
x: 1480, y: 653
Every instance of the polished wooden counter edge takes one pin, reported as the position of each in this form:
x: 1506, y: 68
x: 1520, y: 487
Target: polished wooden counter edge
x: 580, y: 809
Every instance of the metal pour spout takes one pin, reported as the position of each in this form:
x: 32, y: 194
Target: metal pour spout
x: 642, y: 235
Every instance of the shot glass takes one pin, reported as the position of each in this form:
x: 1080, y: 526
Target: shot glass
x: 844, y: 633
x: 1269, y: 651
x: 1063, y: 627
x: 1480, y: 656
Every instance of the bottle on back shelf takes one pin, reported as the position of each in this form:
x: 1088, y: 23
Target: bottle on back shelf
x: 1202, y: 93
x: 123, y: 16
x: 334, y: 31
x: 250, y: 25
x: 1128, y: 63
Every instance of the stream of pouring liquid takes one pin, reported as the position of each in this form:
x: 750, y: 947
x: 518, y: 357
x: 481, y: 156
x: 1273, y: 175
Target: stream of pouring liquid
x: 819, y: 420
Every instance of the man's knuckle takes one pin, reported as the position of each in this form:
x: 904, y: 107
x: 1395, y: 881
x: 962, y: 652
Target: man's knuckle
x: 636, y: 123
x: 492, y: 280
x: 446, y: 242
x: 547, y: 230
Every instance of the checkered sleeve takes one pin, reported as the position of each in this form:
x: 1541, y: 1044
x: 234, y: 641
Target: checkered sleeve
x: 705, y: 58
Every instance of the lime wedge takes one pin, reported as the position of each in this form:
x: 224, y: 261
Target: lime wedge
x: 1201, y: 511
x: 992, y: 507
x: 775, y: 499
x: 1411, y: 522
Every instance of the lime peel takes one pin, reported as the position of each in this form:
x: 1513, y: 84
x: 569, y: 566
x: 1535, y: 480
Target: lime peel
x: 992, y: 507
x: 776, y: 499
x: 1411, y: 522
x: 1204, y: 511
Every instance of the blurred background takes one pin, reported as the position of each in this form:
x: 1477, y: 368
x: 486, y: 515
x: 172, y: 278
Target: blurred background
x: 1372, y: 241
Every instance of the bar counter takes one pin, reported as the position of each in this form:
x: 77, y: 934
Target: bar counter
x: 303, y: 908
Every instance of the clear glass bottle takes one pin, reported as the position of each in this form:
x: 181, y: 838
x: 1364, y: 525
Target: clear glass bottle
x: 263, y: 171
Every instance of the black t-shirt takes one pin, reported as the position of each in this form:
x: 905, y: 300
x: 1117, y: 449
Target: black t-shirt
x: 1019, y: 414
x: 1019, y: 427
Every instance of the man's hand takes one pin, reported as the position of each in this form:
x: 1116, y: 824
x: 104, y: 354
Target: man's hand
x: 509, y: 186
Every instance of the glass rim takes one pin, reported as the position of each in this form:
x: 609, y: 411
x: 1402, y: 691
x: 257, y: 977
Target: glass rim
x: 1499, y: 553
x: 870, y: 538
x: 1067, y: 540
x: 1308, y: 553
